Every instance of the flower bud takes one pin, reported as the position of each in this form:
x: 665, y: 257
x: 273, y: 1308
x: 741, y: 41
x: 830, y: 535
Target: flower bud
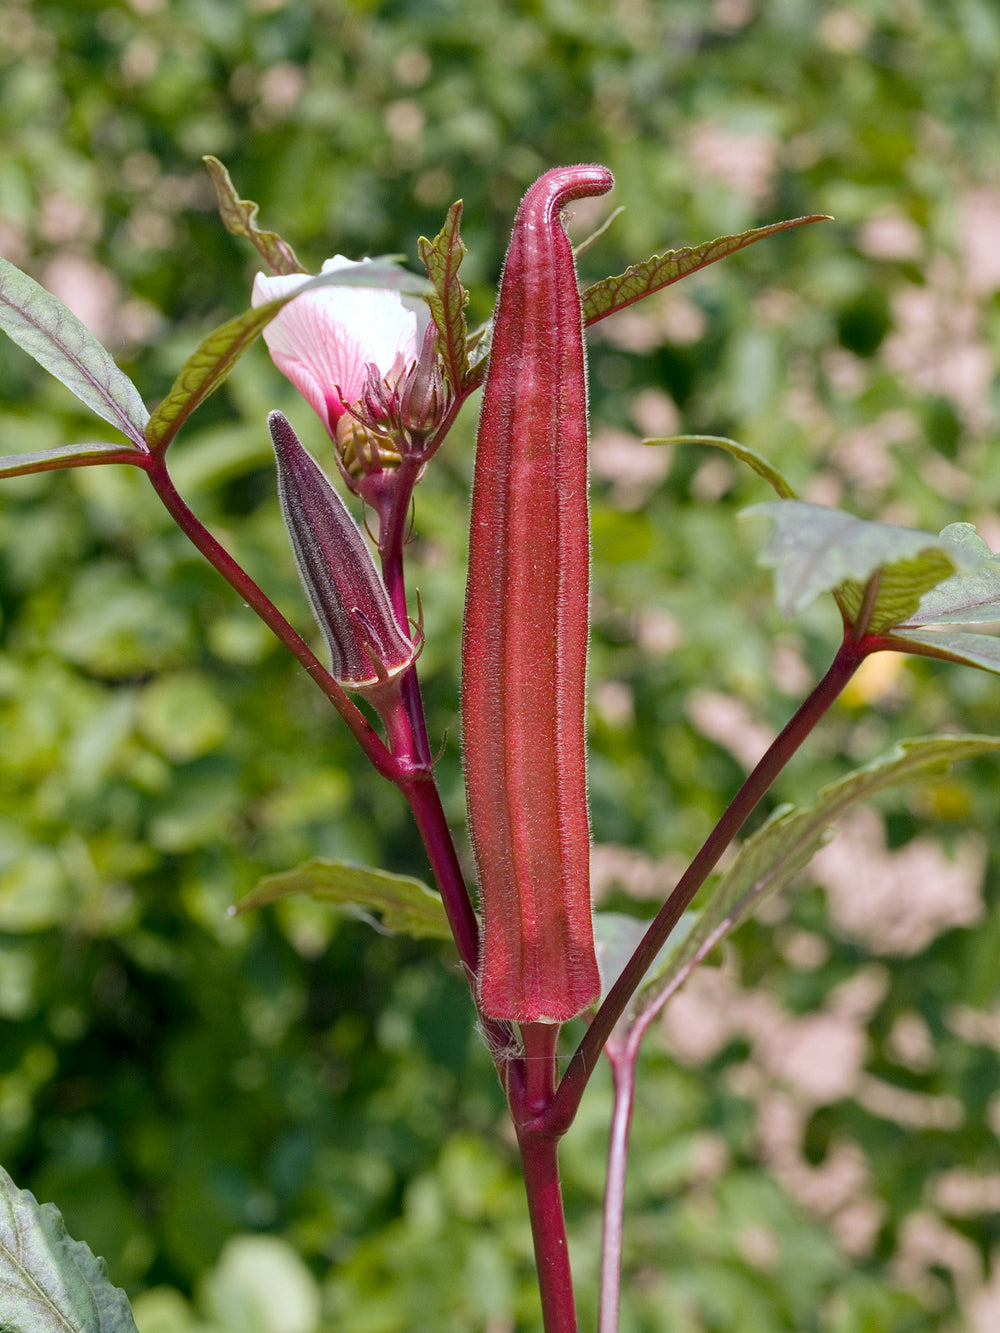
x: 423, y: 397
x: 348, y: 597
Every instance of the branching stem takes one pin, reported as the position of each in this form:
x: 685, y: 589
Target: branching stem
x: 567, y: 1099
x: 237, y: 577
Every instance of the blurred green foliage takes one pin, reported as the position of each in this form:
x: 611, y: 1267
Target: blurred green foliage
x: 175, y: 1078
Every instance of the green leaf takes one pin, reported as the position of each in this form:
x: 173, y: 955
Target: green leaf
x: 406, y: 906
x: 207, y: 367
x: 204, y: 371
x: 759, y: 464
x: 778, y: 851
x: 612, y: 294
x: 63, y: 345
x: 813, y: 549
x: 442, y: 258
x: 969, y: 648
x: 66, y: 455
x: 969, y: 597
x: 50, y: 1283
x: 239, y: 217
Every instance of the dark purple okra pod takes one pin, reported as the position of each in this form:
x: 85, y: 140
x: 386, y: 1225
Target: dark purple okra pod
x: 367, y: 647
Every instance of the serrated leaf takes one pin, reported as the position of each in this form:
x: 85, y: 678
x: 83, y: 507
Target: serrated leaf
x: 207, y: 367
x: 50, y: 1283
x: 63, y: 345
x: 813, y: 549
x: 66, y: 455
x: 741, y: 452
x: 442, y: 258
x: 239, y: 218
x: 406, y: 906
x: 770, y: 858
x: 969, y: 597
x: 901, y: 585
x: 612, y: 294
x: 969, y: 648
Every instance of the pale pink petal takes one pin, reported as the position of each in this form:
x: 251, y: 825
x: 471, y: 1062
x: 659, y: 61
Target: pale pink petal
x: 307, y: 345
x: 324, y: 341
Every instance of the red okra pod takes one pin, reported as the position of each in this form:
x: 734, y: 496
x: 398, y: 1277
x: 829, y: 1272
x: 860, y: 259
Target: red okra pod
x: 524, y: 651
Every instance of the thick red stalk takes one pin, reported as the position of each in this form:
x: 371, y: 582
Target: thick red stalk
x: 524, y: 652
x: 540, y: 1163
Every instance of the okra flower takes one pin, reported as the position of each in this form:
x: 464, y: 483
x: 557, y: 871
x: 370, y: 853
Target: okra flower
x: 325, y: 341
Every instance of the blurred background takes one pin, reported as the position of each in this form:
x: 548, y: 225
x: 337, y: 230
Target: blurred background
x: 291, y: 1102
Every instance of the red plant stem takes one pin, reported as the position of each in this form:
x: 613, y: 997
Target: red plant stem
x: 414, y: 705
x: 414, y: 779
x: 410, y: 741
x: 391, y: 540
x: 539, y: 1160
x: 127, y: 454
x: 623, y: 1073
x: 540, y: 1163
x: 567, y: 1099
x: 424, y: 799
x: 622, y: 1051
x: 220, y: 559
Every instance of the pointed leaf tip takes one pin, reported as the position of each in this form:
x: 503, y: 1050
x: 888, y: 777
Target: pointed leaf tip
x: 442, y: 258
x: 405, y: 905
x: 204, y: 370
x: 63, y: 345
x: 741, y: 452
x: 613, y: 294
x: 50, y: 1283
x: 239, y: 217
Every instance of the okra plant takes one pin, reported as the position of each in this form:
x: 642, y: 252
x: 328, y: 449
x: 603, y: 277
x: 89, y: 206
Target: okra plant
x: 387, y: 361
